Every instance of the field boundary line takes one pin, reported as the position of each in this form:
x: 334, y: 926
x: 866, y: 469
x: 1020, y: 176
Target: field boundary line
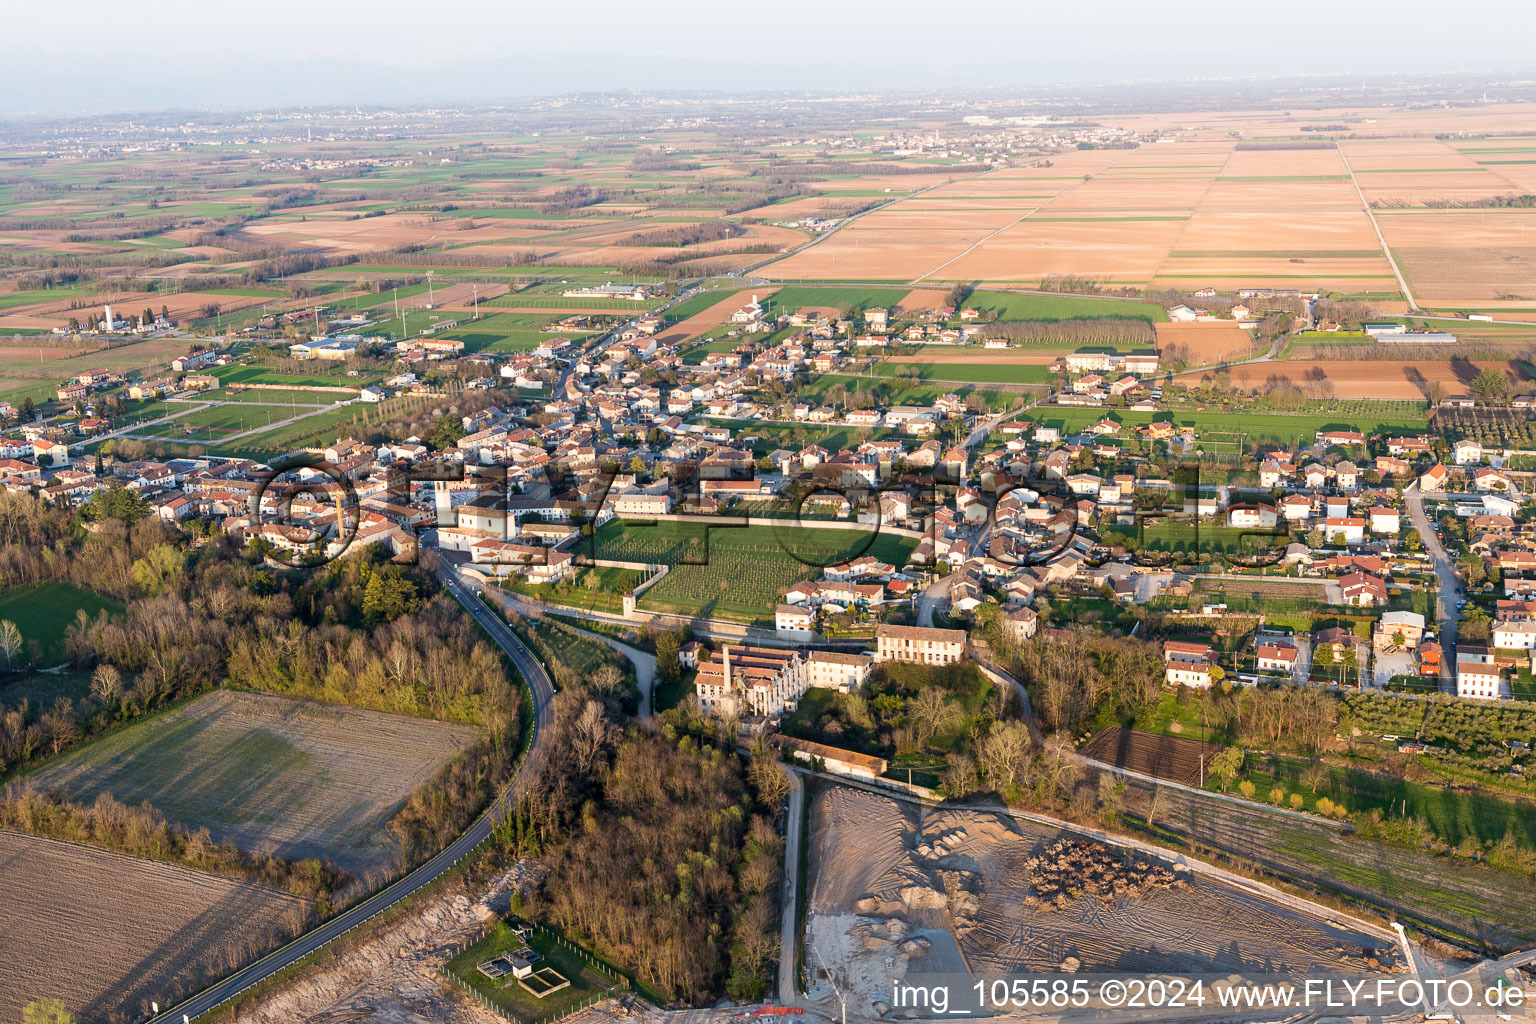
x: 1173, y: 246
x: 1402, y: 282
x: 993, y: 234
x: 786, y: 254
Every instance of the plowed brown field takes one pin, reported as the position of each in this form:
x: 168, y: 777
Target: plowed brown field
x: 1360, y: 378
x: 106, y: 932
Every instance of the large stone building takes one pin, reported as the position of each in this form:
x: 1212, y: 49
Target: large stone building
x: 740, y: 681
x: 919, y: 645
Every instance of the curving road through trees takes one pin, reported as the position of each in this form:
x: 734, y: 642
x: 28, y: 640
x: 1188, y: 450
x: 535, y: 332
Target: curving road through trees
x: 542, y: 692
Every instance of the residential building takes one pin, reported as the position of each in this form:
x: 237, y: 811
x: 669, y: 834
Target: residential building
x: 919, y: 644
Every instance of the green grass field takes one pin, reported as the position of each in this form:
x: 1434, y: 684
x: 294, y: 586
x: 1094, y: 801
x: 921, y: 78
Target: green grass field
x: 1454, y: 815
x: 1257, y: 426
x: 319, y: 378
x: 575, y: 303
x: 45, y: 611
x: 278, y: 397
x: 505, y: 332
x: 967, y: 373
x: 893, y: 392
x: 323, y: 426
x: 1008, y: 306
x: 736, y: 573
x: 793, y: 297
x: 607, y: 595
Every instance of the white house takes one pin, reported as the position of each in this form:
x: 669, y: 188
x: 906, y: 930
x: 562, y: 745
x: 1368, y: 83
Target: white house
x: 1476, y: 674
x: 1252, y: 516
x: 1511, y: 634
x: 1384, y: 520
x: 1277, y: 656
x: 1297, y: 508
x: 1349, y: 529
x: 1467, y: 452
x: 793, y: 623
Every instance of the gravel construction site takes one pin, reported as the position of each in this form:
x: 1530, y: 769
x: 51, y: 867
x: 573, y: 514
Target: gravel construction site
x: 900, y: 890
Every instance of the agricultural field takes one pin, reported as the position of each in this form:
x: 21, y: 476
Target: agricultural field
x: 737, y: 574
x: 295, y: 778
x: 1389, y: 379
x: 968, y: 372
x: 1204, y: 212
x: 1197, y: 344
x: 1276, y: 427
x: 694, y: 316
x: 1449, y: 896
x: 1007, y: 307
x: 106, y: 932
x: 1174, y: 758
x: 889, y: 391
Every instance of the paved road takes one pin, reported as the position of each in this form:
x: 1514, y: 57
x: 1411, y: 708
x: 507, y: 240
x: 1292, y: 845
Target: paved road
x: 543, y: 695
x: 643, y: 661
x: 1450, y: 585
x: 789, y: 913
x: 931, y: 598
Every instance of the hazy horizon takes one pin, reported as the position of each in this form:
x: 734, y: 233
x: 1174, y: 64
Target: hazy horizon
x: 394, y: 52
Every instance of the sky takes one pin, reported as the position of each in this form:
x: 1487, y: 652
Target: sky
x: 95, y: 56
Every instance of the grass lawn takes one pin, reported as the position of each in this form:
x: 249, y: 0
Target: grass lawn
x: 894, y: 392
x: 969, y: 373
x: 736, y: 573
x: 41, y: 689
x: 324, y: 425
x: 263, y: 375
x: 43, y: 612
x: 1170, y: 718
x: 608, y: 595
x: 1008, y: 306
x: 793, y: 297
x: 1168, y: 535
x: 506, y: 332
x: 770, y: 436
x: 265, y: 396
x: 586, y: 980
x: 1276, y: 427
x: 665, y: 696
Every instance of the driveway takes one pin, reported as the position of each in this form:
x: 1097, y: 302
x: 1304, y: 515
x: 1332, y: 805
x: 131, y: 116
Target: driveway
x: 1303, y: 659
x: 1447, y: 615
x: 1393, y: 662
